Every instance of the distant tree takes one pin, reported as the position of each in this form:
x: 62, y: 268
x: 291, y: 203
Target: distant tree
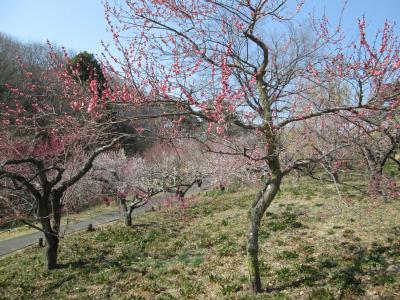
x: 85, y: 67
x: 161, y: 169
x: 375, y: 135
x: 23, y: 66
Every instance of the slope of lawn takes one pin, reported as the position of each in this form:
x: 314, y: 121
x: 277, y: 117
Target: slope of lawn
x: 313, y: 245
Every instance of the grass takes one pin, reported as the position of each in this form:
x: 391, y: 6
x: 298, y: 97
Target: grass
x: 21, y: 229
x: 312, y: 246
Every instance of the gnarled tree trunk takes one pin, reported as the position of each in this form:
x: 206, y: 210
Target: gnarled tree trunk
x: 128, y: 216
x: 51, y: 250
x: 128, y: 211
x: 51, y: 229
x: 257, y: 211
x: 376, y: 184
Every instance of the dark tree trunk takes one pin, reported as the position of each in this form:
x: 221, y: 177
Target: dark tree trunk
x: 377, y: 183
x: 199, y: 182
x: 128, y: 219
x: 50, y: 201
x: 128, y: 216
x: 51, y: 237
x: 57, y: 210
x: 52, y: 250
x: 260, y: 205
x: 375, y: 165
x: 128, y: 211
x: 336, y: 176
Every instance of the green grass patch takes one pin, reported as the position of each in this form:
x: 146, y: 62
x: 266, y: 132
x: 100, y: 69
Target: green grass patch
x: 306, y: 251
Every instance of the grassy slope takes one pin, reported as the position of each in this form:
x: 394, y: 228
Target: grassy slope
x: 312, y: 247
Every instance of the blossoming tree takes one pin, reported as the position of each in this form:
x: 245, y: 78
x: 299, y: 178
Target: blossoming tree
x: 219, y: 61
x: 45, y: 127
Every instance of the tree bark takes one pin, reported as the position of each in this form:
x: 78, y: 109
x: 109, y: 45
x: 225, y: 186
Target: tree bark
x: 377, y: 182
x: 52, y: 250
x: 57, y: 210
x: 128, y: 216
x: 260, y: 205
x: 50, y: 235
x: 127, y: 211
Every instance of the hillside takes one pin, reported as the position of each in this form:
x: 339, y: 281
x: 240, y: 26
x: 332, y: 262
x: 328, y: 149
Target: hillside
x: 313, y: 246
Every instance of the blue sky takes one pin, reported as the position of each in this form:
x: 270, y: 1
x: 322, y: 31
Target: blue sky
x: 80, y: 24
x: 75, y: 24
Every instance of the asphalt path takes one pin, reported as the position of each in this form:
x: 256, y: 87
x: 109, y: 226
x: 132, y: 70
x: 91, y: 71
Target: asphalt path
x: 11, y: 245
x: 18, y: 243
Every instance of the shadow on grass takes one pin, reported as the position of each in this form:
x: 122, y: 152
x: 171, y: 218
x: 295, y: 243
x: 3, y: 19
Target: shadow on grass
x: 73, y: 265
x: 295, y: 283
x: 145, y: 225
x: 371, y: 263
x: 348, y: 277
x: 359, y: 269
x: 58, y: 283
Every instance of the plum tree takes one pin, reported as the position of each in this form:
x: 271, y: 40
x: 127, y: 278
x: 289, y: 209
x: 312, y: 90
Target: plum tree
x: 39, y: 140
x: 218, y: 60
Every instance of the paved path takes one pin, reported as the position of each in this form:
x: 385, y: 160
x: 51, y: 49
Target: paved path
x: 14, y: 244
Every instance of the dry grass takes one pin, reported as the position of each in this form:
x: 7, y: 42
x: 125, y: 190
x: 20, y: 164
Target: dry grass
x: 312, y: 246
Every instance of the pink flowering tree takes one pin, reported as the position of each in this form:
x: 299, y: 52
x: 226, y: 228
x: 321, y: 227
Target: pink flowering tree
x: 127, y: 178
x: 218, y: 61
x: 375, y: 135
x: 137, y: 180
x: 44, y: 128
